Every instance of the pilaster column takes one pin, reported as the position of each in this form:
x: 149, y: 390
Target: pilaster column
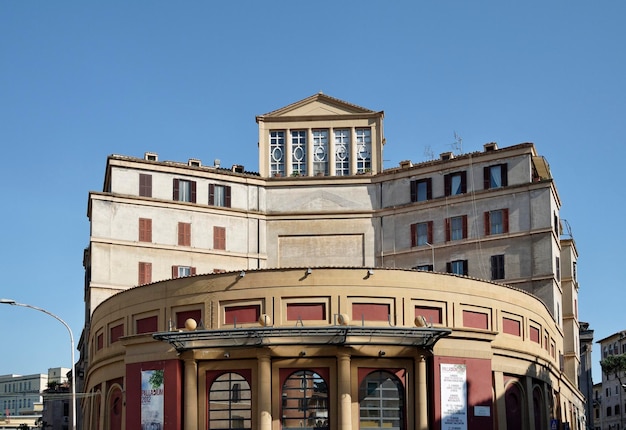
x: 421, y: 393
x: 498, y: 382
x: 190, y: 408
x: 265, y: 391
x: 343, y: 388
x: 528, y: 387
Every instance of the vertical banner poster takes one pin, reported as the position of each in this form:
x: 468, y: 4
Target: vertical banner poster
x: 453, y: 396
x: 151, y: 399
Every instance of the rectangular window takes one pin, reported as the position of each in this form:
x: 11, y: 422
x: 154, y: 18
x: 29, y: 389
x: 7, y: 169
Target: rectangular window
x: 219, y: 195
x: 557, y: 268
x: 320, y: 152
x: 145, y: 230
x: 455, y: 183
x: 363, y: 150
x: 496, y: 222
x: 495, y: 176
x: 182, y: 271
x: 497, y: 267
x: 277, y: 153
x: 342, y: 152
x: 458, y: 267
x: 456, y: 228
x: 219, y: 238
x: 145, y: 185
x: 298, y: 152
x: 421, y: 190
x: 422, y: 233
x: 184, y: 190
x: 184, y: 234
x: 424, y: 267
x: 145, y: 273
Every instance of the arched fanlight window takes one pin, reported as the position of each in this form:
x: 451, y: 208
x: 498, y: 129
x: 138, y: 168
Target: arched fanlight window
x: 305, y: 401
x: 230, y: 405
x: 381, y: 402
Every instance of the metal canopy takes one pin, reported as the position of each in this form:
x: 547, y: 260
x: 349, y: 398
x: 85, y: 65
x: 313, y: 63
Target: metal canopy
x: 424, y: 337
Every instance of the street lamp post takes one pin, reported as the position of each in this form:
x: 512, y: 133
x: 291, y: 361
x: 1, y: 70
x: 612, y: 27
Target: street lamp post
x: 14, y: 303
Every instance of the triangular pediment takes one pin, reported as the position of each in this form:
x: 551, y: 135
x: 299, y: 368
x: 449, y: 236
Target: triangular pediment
x: 318, y: 105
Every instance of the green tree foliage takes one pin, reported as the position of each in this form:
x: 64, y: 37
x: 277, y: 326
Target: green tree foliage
x: 156, y: 380
x: 614, y: 365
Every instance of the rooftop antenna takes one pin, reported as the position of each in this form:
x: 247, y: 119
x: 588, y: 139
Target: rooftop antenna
x: 428, y: 152
x: 458, y: 143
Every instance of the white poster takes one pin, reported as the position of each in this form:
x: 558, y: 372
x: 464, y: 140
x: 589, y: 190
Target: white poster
x: 453, y: 397
x: 151, y: 399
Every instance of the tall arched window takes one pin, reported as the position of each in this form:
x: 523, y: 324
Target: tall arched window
x: 515, y: 407
x: 538, y: 408
x: 305, y: 401
x: 381, y: 402
x: 114, y: 408
x: 230, y: 405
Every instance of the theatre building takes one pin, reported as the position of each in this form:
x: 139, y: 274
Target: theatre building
x: 325, y: 292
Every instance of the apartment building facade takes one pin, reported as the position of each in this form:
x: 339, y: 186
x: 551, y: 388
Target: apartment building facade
x: 610, y: 400
x: 321, y: 200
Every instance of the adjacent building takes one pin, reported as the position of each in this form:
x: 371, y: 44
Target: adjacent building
x: 611, y: 398
x: 328, y: 292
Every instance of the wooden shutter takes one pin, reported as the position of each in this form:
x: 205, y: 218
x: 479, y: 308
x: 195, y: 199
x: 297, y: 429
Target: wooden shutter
x: 487, y: 224
x: 174, y: 272
x: 193, y: 191
x: 429, y: 188
x: 430, y: 232
x: 465, y: 268
x: 486, y: 177
x: 504, y: 174
x: 448, y: 227
x: 145, y: 273
x: 184, y: 234
x: 413, y: 191
x: 212, y: 194
x: 448, y: 267
x: 192, y: 271
x: 447, y: 185
x: 226, y: 196
x: 505, y: 220
x: 464, y: 226
x: 176, y: 188
x: 219, y: 237
x: 145, y: 185
x: 413, y: 234
x: 463, y: 182
x: 145, y: 230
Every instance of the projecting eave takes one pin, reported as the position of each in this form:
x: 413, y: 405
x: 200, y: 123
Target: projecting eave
x: 423, y: 337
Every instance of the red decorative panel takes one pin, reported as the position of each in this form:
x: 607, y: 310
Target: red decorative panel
x: 306, y: 311
x: 242, y: 314
x: 370, y: 311
x: 432, y: 314
x: 511, y: 326
x: 116, y: 332
x: 100, y: 342
x: 148, y: 325
x: 183, y: 316
x: 534, y: 335
x: 475, y: 320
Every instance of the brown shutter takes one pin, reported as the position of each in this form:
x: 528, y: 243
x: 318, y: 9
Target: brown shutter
x: 448, y: 232
x: 176, y: 182
x: 413, y: 234
x: 413, y: 191
x: 447, y: 185
x: 505, y: 175
x: 487, y: 224
x: 212, y: 194
x: 486, y: 177
x: 193, y: 271
x: 505, y: 220
x: 430, y: 232
x: 193, y: 191
x: 464, y: 226
x: 429, y: 188
x: 174, y: 272
x: 227, y: 197
x: 465, y: 268
x: 463, y: 182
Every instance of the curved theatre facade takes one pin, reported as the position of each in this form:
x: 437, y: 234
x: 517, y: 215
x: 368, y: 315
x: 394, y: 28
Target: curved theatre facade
x: 326, y: 348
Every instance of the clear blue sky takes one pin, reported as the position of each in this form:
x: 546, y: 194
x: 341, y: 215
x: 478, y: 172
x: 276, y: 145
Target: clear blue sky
x: 82, y: 80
